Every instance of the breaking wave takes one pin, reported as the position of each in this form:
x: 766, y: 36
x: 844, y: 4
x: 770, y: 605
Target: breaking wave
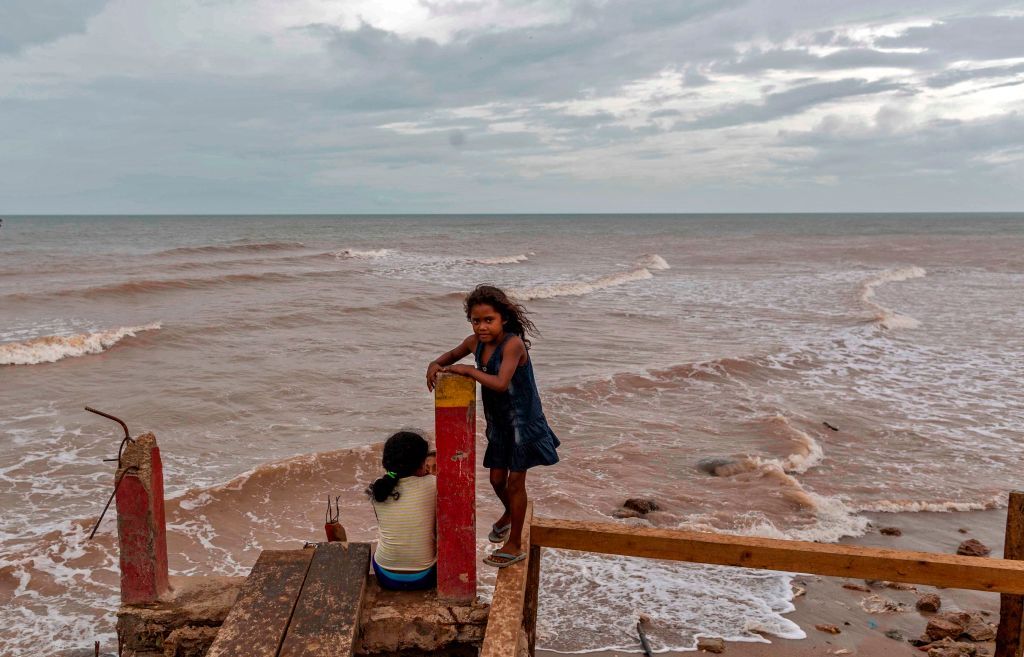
x: 52, y: 348
x: 163, y: 284
x: 641, y: 272
x: 501, y: 260
x: 233, y: 248
x: 903, y: 506
x: 363, y: 255
x: 719, y: 369
x: 886, y: 317
x: 653, y: 261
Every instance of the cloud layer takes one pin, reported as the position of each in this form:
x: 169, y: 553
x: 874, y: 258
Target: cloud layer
x: 523, y: 105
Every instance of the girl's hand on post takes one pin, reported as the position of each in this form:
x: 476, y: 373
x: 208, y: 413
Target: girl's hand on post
x: 432, y: 371
x: 464, y: 370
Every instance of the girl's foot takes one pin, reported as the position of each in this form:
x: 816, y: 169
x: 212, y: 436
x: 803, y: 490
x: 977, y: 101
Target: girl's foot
x: 502, y: 559
x: 499, y: 533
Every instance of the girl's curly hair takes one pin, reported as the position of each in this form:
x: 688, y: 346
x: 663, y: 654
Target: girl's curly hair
x: 514, y: 314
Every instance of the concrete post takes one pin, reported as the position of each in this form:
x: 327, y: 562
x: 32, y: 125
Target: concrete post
x: 141, y: 529
x: 455, y: 429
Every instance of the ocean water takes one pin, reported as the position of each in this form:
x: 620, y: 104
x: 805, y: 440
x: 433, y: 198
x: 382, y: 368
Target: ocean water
x: 272, y: 355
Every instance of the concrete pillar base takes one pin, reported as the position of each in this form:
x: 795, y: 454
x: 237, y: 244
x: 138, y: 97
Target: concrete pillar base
x: 184, y: 622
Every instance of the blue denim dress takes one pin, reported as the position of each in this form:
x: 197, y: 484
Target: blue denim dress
x: 518, y: 435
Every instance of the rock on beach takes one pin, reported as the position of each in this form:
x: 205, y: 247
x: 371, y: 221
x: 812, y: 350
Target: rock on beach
x: 973, y: 548
x: 710, y: 644
x: 640, y: 505
x: 929, y: 602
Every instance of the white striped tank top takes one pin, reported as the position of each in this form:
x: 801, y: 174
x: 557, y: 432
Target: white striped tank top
x: 406, y: 526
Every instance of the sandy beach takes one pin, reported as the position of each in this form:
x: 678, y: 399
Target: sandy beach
x: 863, y: 630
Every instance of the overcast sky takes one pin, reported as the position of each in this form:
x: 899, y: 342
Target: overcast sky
x: 193, y: 106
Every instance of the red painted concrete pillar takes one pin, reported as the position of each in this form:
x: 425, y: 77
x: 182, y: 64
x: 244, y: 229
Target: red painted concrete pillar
x: 455, y: 428
x: 141, y: 529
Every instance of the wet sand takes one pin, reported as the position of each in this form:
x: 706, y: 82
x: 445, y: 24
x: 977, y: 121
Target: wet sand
x: 825, y: 601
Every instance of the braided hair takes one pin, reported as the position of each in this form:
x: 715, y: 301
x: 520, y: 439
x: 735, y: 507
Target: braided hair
x: 514, y: 315
x: 404, y: 453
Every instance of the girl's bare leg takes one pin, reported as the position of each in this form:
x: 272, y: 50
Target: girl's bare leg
x: 499, y: 482
x: 515, y: 489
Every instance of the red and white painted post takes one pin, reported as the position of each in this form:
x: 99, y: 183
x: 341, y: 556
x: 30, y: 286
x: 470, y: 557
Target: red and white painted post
x: 455, y: 429
x: 141, y: 529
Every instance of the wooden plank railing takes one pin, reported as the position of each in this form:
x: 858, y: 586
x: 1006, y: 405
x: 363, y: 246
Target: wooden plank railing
x: 948, y: 570
x: 511, y: 628
x: 506, y: 632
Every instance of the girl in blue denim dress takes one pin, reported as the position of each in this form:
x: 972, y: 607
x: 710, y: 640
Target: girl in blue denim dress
x: 518, y: 435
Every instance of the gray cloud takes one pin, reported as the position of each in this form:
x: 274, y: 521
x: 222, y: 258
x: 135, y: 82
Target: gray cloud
x: 611, y: 106
x: 967, y: 37
x: 25, y: 23
x: 787, y: 103
x: 955, y: 76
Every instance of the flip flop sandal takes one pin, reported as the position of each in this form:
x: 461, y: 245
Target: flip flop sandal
x: 508, y: 559
x: 499, y: 534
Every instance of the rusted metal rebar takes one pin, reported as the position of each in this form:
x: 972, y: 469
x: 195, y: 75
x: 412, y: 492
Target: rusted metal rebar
x: 120, y: 450
x: 117, y: 484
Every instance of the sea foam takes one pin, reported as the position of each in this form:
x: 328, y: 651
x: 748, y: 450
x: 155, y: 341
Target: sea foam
x: 501, y: 260
x: 356, y: 254
x: 640, y: 272
x: 886, y: 317
x: 52, y: 348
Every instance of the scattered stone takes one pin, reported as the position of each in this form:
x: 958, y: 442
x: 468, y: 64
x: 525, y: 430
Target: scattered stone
x: 891, y: 531
x: 799, y: 591
x: 846, y: 622
x: 895, y: 635
x: 972, y: 547
x: 877, y: 604
x: 857, y: 587
x: 711, y: 644
x: 978, y: 629
x: 950, y: 648
x: 950, y: 624
x: 640, y: 505
x: 871, y: 582
x: 962, y: 530
x: 712, y: 464
x: 929, y: 602
x: 625, y: 513
x: 828, y: 628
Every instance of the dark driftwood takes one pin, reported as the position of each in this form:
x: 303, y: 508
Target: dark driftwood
x: 1009, y: 637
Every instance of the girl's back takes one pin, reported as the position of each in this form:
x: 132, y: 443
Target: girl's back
x: 407, y: 526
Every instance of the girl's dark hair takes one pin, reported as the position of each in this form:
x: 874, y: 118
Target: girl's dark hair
x: 404, y: 453
x: 513, y: 313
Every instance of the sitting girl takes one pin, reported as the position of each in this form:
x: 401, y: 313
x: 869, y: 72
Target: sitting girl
x: 404, y: 500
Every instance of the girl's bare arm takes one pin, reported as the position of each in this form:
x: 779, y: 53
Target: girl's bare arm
x: 513, y: 352
x: 447, y: 358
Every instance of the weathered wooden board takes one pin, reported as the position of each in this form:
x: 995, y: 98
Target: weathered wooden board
x: 1010, y: 637
x: 948, y: 570
x: 326, y: 617
x: 258, y: 620
x: 505, y: 620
